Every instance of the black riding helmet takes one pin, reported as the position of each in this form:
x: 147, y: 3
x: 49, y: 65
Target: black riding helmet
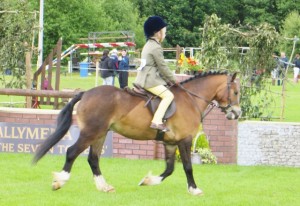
x: 152, y: 25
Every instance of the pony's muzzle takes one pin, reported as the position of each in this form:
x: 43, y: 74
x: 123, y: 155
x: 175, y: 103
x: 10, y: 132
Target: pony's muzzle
x: 233, y: 113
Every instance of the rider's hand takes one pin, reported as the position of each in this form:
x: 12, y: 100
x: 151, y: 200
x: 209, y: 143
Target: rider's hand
x: 176, y: 83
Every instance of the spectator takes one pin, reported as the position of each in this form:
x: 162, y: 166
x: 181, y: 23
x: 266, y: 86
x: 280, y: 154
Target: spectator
x: 297, y: 67
x: 123, y: 70
x: 283, y: 63
x: 275, y: 71
x: 114, y: 62
x: 106, y: 69
x: 45, y: 84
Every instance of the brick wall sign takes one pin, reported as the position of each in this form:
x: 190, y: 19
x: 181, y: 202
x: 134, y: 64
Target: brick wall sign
x: 25, y: 138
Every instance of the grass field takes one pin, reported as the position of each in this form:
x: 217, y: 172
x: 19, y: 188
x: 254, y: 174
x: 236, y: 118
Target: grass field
x: 23, y: 184
x: 74, y: 81
x: 291, y: 109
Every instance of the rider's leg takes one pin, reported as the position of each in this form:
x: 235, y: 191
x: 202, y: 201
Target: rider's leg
x: 166, y: 98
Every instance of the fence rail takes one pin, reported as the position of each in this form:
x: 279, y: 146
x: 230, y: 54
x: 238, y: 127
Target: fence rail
x: 38, y: 93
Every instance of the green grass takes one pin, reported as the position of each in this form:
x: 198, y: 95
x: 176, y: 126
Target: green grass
x: 23, y: 184
x: 74, y: 81
x: 291, y: 112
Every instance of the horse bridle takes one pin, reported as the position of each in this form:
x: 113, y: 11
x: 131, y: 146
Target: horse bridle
x: 228, y: 107
x: 213, y: 103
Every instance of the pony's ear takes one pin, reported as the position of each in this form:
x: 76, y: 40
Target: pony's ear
x: 233, y: 76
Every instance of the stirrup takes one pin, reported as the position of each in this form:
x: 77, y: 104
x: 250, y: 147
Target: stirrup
x: 161, y: 127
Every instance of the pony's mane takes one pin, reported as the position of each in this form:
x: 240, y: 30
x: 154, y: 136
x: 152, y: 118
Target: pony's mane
x: 204, y: 74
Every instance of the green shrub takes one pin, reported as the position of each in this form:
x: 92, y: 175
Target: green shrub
x: 202, y: 141
x: 207, y: 156
x: 201, y: 145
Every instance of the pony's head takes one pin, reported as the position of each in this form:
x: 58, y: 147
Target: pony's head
x: 228, y: 98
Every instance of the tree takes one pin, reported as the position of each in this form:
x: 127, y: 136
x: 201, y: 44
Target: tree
x: 270, y: 11
x: 219, y: 52
x: 290, y: 29
x: 123, y: 16
x: 71, y: 20
x: 16, y: 26
x: 74, y: 19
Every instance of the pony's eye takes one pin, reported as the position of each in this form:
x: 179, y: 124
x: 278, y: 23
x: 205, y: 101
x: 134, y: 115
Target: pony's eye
x: 236, y: 93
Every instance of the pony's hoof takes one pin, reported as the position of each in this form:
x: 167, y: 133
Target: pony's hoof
x: 144, y: 181
x: 108, y: 188
x: 150, y: 180
x: 55, y: 186
x: 101, y: 184
x: 195, y: 191
x: 59, y: 179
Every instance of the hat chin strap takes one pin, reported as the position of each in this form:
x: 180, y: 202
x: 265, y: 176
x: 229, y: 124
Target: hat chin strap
x: 157, y: 36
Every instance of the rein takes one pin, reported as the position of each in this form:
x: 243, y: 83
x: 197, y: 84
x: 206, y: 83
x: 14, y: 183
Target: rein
x: 211, y: 103
x: 192, y: 93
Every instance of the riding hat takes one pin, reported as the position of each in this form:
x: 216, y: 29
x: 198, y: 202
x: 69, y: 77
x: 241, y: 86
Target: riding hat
x: 152, y: 25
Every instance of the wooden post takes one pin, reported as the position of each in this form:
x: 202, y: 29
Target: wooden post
x: 285, y: 78
x: 97, y: 59
x: 97, y: 72
x: 57, y: 78
x: 28, y: 77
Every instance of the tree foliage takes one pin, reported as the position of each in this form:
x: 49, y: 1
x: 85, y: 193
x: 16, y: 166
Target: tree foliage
x: 16, y: 24
x: 220, y: 51
x: 74, y: 19
x: 290, y: 29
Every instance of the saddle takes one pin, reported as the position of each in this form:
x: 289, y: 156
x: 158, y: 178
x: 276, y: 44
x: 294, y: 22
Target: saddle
x: 152, y: 101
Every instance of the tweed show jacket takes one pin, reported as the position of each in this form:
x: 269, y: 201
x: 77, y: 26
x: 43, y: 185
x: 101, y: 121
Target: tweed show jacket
x: 155, y: 72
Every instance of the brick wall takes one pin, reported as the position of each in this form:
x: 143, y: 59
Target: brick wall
x: 135, y: 149
x: 222, y: 135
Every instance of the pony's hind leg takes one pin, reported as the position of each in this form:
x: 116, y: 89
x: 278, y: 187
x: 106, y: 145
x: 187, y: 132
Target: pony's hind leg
x: 83, y: 142
x: 185, y: 153
x: 93, y: 159
x: 170, y: 160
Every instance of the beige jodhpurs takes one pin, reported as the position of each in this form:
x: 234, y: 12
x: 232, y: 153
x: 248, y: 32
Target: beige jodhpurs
x: 166, y: 98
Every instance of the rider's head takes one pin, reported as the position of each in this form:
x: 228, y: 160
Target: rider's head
x: 153, y: 25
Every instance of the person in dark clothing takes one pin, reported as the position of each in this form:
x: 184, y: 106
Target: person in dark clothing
x: 106, y: 70
x: 283, y: 63
x: 114, y: 63
x: 123, y: 70
x: 297, y: 67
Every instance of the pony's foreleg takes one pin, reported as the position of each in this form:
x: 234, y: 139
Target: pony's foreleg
x: 93, y: 159
x: 60, y: 178
x: 185, y: 153
x: 170, y: 160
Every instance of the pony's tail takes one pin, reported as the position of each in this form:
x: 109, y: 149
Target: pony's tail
x: 63, y: 124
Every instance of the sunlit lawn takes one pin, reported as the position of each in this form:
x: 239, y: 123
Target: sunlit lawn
x: 292, y: 107
x: 23, y: 184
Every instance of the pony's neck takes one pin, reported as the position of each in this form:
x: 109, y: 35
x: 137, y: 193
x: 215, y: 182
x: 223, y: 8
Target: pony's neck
x: 205, y: 87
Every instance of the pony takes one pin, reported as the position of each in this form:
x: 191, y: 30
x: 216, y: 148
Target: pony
x: 105, y: 108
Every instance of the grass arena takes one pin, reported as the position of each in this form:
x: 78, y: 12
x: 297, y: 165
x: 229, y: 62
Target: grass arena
x: 222, y: 183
